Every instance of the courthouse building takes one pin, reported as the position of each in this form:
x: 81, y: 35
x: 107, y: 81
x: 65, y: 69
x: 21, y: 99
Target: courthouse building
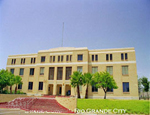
x: 48, y: 71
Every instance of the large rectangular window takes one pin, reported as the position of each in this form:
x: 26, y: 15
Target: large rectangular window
x: 41, y: 70
x: 125, y: 86
x: 30, y: 86
x: 59, y: 73
x: 94, y: 89
x: 12, y: 70
x: 80, y: 57
x: 19, y: 86
x: 42, y: 58
x: 31, y: 71
x: 40, y: 85
x: 124, y: 70
x: 79, y: 68
x: 68, y: 72
x: 51, y: 73
x: 110, y: 70
x: 21, y: 71
x: 94, y: 70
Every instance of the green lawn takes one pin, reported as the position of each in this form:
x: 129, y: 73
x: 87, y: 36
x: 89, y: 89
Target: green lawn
x: 131, y: 106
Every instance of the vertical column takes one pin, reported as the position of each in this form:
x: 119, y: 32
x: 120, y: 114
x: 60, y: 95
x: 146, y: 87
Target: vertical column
x: 55, y: 81
x: 73, y: 91
x: 63, y: 81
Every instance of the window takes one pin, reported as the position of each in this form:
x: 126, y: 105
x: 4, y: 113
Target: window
x: 96, y: 57
x: 31, y: 71
x: 92, y: 57
x: 42, y: 58
x: 21, y: 71
x: 94, y: 70
x: 13, y: 61
x: 94, y: 89
x: 107, y: 57
x: 59, y: 73
x: 19, y: 86
x: 40, y: 85
x: 126, y: 56
x: 68, y: 72
x: 50, y: 58
x: 23, y: 60
x: 110, y: 70
x: 30, y: 86
x: 51, y: 73
x: 53, y: 58
x: 79, y: 69
x: 125, y: 86
x: 67, y: 58
x: 12, y: 71
x: 122, y: 56
x: 109, y: 90
x: 80, y: 57
x: 111, y: 58
x: 58, y: 58
x: 124, y: 70
x: 32, y: 60
x: 70, y: 57
x: 41, y: 70
x: 61, y: 58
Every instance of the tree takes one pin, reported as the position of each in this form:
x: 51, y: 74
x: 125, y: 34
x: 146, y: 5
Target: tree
x: 11, y: 81
x: 104, y: 80
x: 18, y: 81
x: 145, y: 83
x: 76, y: 80
x: 139, y: 85
x: 4, y: 79
x: 87, y: 80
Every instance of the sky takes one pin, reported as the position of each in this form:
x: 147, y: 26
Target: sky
x: 27, y: 26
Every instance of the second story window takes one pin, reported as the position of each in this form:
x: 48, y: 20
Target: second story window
x: 13, y: 61
x: 12, y: 70
x: 124, y: 70
x: 110, y: 70
x: 21, y: 71
x: 42, y: 71
x: 80, y: 57
x: 61, y: 58
x: 58, y: 58
x: 53, y: 58
x: 59, y: 73
x: 32, y: 60
x: 42, y: 58
x: 79, y: 68
x: 31, y: 71
x: 109, y: 57
x: 23, y: 60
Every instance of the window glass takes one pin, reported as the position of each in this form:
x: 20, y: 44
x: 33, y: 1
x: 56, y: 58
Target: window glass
x: 122, y: 56
x: 94, y: 89
x: 43, y: 59
x: 125, y: 86
x: 124, y: 70
x: 94, y: 70
x: 107, y: 57
x: 31, y: 71
x: 79, y: 69
x: 42, y: 71
x: 68, y: 72
x: 96, y: 57
x: 30, y: 86
x: 40, y: 85
x: 92, y: 57
x: 12, y: 71
x: 110, y: 70
x: 21, y: 71
x: 59, y: 73
x: 80, y: 57
x: 126, y: 56
x: 51, y: 73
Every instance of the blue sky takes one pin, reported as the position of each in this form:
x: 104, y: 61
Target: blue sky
x: 27, y: 26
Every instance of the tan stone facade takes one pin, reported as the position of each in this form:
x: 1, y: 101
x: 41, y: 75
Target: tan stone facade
x: 48, y: 71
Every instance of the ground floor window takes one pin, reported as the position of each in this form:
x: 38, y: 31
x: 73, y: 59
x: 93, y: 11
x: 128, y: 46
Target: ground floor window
x: 40, y: 85
x: 125, y: 86
x: 30, y: 86
x: 109, y: 90
x: 20, y: 86
x: 94, y: 89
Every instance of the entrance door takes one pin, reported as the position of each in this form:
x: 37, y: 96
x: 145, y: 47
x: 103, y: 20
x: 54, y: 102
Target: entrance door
x: 59, y: 90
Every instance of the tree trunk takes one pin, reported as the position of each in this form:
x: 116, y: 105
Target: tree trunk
x: 78, y: 91
x: 105, y: 95
x: 16, y: 89
x: 10, y: 89
x: 86, y: 95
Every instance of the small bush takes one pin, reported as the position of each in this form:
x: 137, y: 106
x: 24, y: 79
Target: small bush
x: 5, y: 92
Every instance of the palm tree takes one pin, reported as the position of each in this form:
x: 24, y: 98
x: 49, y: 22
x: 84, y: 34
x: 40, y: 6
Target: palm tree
x: 76, y: 80
x: 87, y: 80
x: 11, y: 81
x: 18, y: 80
